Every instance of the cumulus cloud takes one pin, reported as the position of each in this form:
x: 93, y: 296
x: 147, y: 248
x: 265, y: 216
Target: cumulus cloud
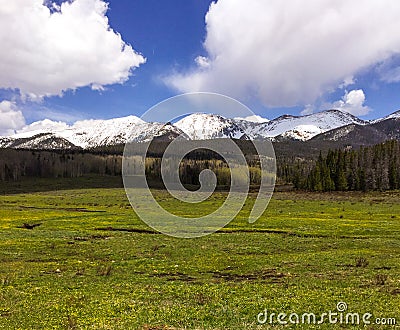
x: 202, y: 61
x: 290, y: 52
x: 352, y: 102
x: 11, y: 118
x: 49, y: 48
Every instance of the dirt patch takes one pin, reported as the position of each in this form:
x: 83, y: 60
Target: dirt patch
x: 175, y: 276
x: 383, y: 268
x: 269, y: 274
x: 286, y: 233
x: 395, y: 292
x: 157, y: 327
x: 70, y: 209
x: 129, y: 230
x: 90, y: 238
x: 29, y: 226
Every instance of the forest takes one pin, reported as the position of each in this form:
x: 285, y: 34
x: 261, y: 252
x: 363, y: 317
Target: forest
x: 367, y: 168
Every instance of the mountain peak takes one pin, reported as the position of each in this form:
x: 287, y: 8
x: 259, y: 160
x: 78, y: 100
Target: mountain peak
x: 286, y: 116
x: 200, y: 126
x: 253, y: 119
x: 341, y: 113
x: 394, y: 115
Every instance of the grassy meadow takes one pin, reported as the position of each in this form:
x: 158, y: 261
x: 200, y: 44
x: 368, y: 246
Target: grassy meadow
x: 90, y: 263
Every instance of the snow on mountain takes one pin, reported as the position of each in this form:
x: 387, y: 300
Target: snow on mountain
x: 44, y: 141
x: 303, y: 127
x: 253, y: 119
x: 94, y: 133
x: 302, y: 132
x: 200, y: 126
x: 394, y: 115
x: 40, y: 127
x: 147, y: 131
x: 249, y: 128
x: 90, y: 133
x: 339, y: 133
x: 38, y: 141
x: 6, y: 142
x: 116, y: 131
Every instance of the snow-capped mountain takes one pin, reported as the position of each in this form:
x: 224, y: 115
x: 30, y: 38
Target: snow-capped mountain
x: 147, y: 131
x: 38, y: 141
x: 6, y: 142
x: 374, y: 132
x: 302, y: 127
x: 394, y: 115
x: 252, y: 119
x: 330, y: 125
x: 200, y: 126
x: 88, y: 133
x: 302, y: 132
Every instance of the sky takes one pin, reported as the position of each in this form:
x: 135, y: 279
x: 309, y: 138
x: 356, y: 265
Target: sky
x: 91, y: 59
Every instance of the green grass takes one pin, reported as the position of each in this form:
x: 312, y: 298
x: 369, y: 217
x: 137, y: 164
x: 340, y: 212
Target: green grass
x: 307, y: 253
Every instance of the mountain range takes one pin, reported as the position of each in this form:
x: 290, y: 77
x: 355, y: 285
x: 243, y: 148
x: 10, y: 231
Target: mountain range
x: 330, y: 125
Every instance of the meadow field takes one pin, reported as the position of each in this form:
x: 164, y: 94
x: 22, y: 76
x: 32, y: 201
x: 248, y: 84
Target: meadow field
x: 74, y: 258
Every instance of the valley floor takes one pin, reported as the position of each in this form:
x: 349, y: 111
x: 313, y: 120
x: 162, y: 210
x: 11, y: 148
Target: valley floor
x: 90, y: 263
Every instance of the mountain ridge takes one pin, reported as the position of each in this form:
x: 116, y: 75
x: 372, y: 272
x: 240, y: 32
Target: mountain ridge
x: 329, y: 125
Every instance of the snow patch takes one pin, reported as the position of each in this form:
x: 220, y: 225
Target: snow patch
x: 200, y: 126
x: 253, y: 119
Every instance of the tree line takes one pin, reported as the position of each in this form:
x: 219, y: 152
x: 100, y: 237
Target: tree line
x: 368, y: 168
x: 190, y: 169
x: 17, y: 164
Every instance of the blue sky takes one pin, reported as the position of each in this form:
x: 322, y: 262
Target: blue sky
x: 276, y: 58
x: 168, y: 33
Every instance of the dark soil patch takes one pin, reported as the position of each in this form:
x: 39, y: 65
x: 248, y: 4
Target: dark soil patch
x: 129, y: 230
x: 89, y: 238
x: 270, y: 274
x: 175, y: 276
x: 29, y: 226
x: 70, y: 209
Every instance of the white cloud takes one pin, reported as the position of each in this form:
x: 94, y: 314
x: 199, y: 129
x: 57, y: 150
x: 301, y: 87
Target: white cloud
x: 11, y: 118
x: 202, y: 61
x: 291, y: 52
x: 45, y: 52
x: 392, y: 76
x: 389, y: 70
x: 347, y: 82
x: 352, y: 102
x: 308, y: 110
